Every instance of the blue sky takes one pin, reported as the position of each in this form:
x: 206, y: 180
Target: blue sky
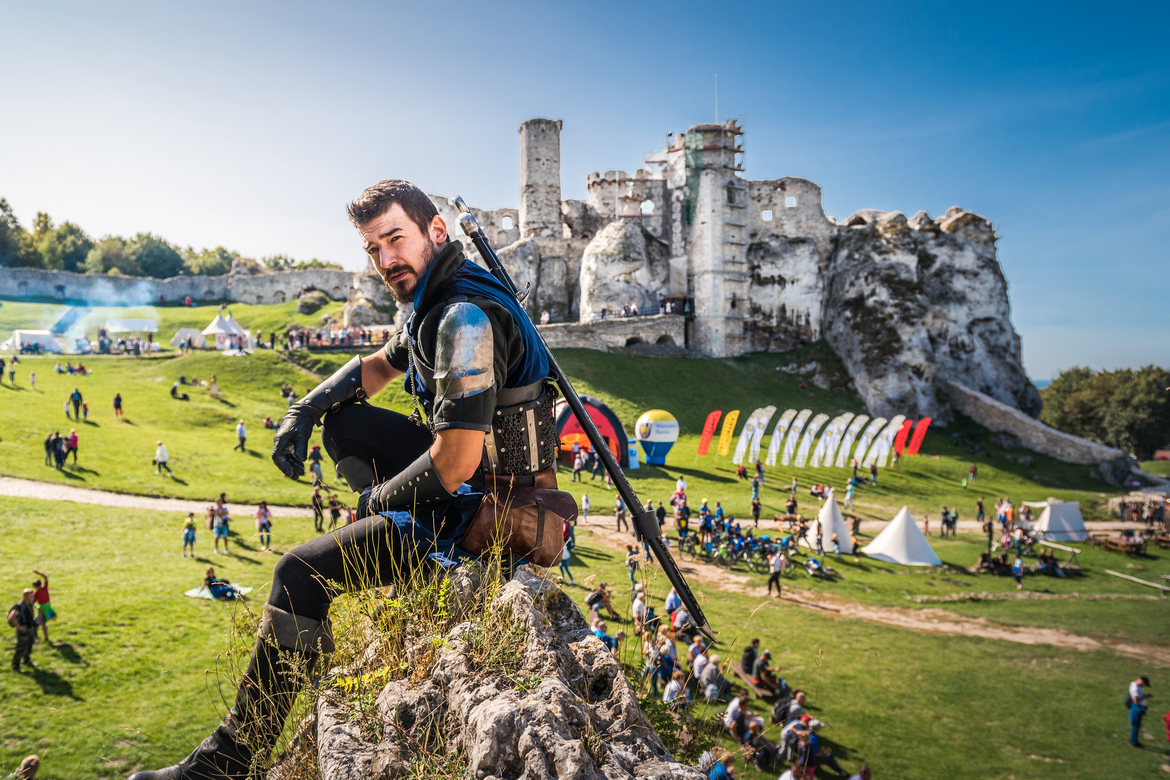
x: 251, y: 125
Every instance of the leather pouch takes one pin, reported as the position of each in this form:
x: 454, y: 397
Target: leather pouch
x: 527, y: 522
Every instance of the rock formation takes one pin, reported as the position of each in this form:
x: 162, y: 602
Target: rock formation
x: 575, y: 718
x: 623, y: 264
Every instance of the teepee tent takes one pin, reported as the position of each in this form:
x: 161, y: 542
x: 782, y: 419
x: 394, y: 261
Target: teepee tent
x: 1060, y: 522
x: 902, y: 542
x: 830, y: 522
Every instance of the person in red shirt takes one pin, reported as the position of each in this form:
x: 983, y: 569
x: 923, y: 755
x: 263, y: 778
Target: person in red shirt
x: 45, y: 611
x: 1166, y: 720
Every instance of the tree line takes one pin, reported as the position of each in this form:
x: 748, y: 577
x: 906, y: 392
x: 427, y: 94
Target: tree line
x: 66, y: 247
x: 1128, y: 409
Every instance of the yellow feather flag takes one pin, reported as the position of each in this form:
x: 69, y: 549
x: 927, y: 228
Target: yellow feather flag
x: 728, y: 430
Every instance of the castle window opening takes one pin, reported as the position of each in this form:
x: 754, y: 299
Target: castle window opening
x: 766, y: 215
x: 664, y: 339
x: 208, y: 295
x: 632, y: 340
x: 790, y: 203
x: 60, y: 291
x: 506, y: 222
x: 259, y: 299
x: 647, y: 208
x: 278, y: 296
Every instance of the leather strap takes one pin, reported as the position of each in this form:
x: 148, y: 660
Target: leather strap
x: 296, y: 632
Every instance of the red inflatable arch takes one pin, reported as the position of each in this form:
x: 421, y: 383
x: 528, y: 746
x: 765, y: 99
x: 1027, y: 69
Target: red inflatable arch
x: 569, y: 430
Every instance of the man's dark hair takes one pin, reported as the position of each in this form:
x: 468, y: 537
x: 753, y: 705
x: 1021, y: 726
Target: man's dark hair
x: 377, y: 199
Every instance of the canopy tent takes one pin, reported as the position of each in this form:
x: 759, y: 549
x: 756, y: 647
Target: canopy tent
x: 829, y: 522
x: 569, y: 430
x: 25, y: 338
x: 902, y: 542
x: 131, y: 326
x: 223, y: 328
x: 182, y: 334
x: 1061, y: 522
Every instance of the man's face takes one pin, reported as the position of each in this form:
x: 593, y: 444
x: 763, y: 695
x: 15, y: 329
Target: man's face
x: 800, y: 698
x: 400, y: 251
x: 27, y: 598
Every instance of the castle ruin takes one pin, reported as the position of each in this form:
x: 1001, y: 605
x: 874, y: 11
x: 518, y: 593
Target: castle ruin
x: 755, y: 265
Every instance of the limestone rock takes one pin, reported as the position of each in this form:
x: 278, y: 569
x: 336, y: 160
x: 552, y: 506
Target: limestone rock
x: 922, y: 221
x: 623, y: 264
x: 582, y: 220
x: 581, y: 721
x: 361, y: 312
x: 907, y: 312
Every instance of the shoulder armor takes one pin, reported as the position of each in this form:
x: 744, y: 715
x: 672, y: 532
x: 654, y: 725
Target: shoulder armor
x: 464, y: 351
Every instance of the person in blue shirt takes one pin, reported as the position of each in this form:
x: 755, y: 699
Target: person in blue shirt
x: 718, y: 512
x: 723, y: 769
x: 820, y: 755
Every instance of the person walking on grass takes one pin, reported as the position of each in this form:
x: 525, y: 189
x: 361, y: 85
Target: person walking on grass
x: 23, y: 619
x: 49, y: 450
x: 1137, y: 698
x: 75, y: 399
x: 334, y: 511
x: 565, y: 556
x: 58, y: 450
x: 873, y: 473
x: 189, y: 534
x: 44, y: 609
x: 619, y: 511
x: 318, y: 510
x: 65, y: 406
x: 1018, y: 572
x: 71, y: 444
x: 632, y: 565
x: 117, y: 405
x: 161, y: 458
x: 585, y: 504
x: 777, y: 563
x: 221, y: 523
x: 241, y: 436
x: 264, y: 526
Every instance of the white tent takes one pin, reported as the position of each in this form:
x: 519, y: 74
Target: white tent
x: 182, y: 334
x: 831, y: 522
x: 1061, y: 522
x: 131, y: 326
x: 24, y: 338
x: 902, y: 542
x: 249, y: 339
x: 223, y: 328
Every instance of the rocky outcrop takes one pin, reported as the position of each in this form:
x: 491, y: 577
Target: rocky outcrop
x: 908, y: 309
x: 575, y: 717
x: 623, y: 264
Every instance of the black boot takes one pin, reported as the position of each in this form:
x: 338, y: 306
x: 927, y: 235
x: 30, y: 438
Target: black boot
x: 287, y: 648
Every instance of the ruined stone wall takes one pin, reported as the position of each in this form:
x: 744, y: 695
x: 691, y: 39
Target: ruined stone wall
x: 615, y: 333
x: 262, y: 288
x: 1033, y: 434
x: 624, y: 264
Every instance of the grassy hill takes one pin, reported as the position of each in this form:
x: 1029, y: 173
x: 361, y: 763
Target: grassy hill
x: 199, y: 433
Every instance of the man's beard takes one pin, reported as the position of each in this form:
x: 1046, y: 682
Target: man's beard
x: 403, y: 291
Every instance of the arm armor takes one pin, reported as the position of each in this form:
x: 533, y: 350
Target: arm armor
x: 418, y: 485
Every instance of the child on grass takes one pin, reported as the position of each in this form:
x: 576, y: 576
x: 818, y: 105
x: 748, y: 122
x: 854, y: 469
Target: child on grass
x: 189, y: 534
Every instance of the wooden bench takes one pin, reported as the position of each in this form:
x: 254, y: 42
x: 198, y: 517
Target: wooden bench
x: 746, y: 679
x: 1097, y: 538
x: 1124, y: 545
x: 1162, y: 539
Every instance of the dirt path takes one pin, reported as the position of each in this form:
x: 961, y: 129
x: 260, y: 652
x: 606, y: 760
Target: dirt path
x: 27, y: 488
x: 935, y: 621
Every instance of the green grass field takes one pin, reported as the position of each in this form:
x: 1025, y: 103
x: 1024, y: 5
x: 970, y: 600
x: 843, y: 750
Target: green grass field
x: 133, y: 682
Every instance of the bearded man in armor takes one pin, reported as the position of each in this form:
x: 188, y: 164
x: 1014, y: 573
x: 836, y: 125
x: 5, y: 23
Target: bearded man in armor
x: 471, y: 359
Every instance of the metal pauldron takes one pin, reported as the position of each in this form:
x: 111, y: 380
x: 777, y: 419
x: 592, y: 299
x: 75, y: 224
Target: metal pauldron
x: 523, y: 438
x: 464, y: 349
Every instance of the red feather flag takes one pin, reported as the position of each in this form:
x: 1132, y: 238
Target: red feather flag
x: 900, y: 439
x: 919, y: 435
x: 709, y: 431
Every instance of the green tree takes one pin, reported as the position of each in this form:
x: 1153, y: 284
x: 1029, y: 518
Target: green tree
x: 286, y: 263
x: 16, y: 245
x: 65, y: 248
x: 209, y: 262
x: 154, y: 256
x: 109, y: 254
x: 1127, y: 409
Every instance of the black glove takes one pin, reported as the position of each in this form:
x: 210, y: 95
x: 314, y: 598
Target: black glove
x: 290, y: 445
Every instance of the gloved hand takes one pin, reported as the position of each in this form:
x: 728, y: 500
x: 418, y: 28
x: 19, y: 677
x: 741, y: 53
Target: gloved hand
x: 290, y: 446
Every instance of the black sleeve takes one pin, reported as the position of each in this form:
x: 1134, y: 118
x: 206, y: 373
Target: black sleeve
x: 396, y: 350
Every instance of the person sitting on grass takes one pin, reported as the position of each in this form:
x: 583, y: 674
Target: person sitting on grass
x: 177, y: 395
x: 712, y: 682
x: 723, y: 768
x: 762, y: 676
x: 613, y: 643
x: 676, y: 696
x: 598, y: 600
x: 764, y: 751
x: 219, y: 589
x: 820, y: 755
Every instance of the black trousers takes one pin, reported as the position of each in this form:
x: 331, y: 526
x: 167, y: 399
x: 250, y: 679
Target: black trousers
x: 370, y: 552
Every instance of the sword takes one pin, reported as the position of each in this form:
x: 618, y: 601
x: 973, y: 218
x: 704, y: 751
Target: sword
x: 645, y: 523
